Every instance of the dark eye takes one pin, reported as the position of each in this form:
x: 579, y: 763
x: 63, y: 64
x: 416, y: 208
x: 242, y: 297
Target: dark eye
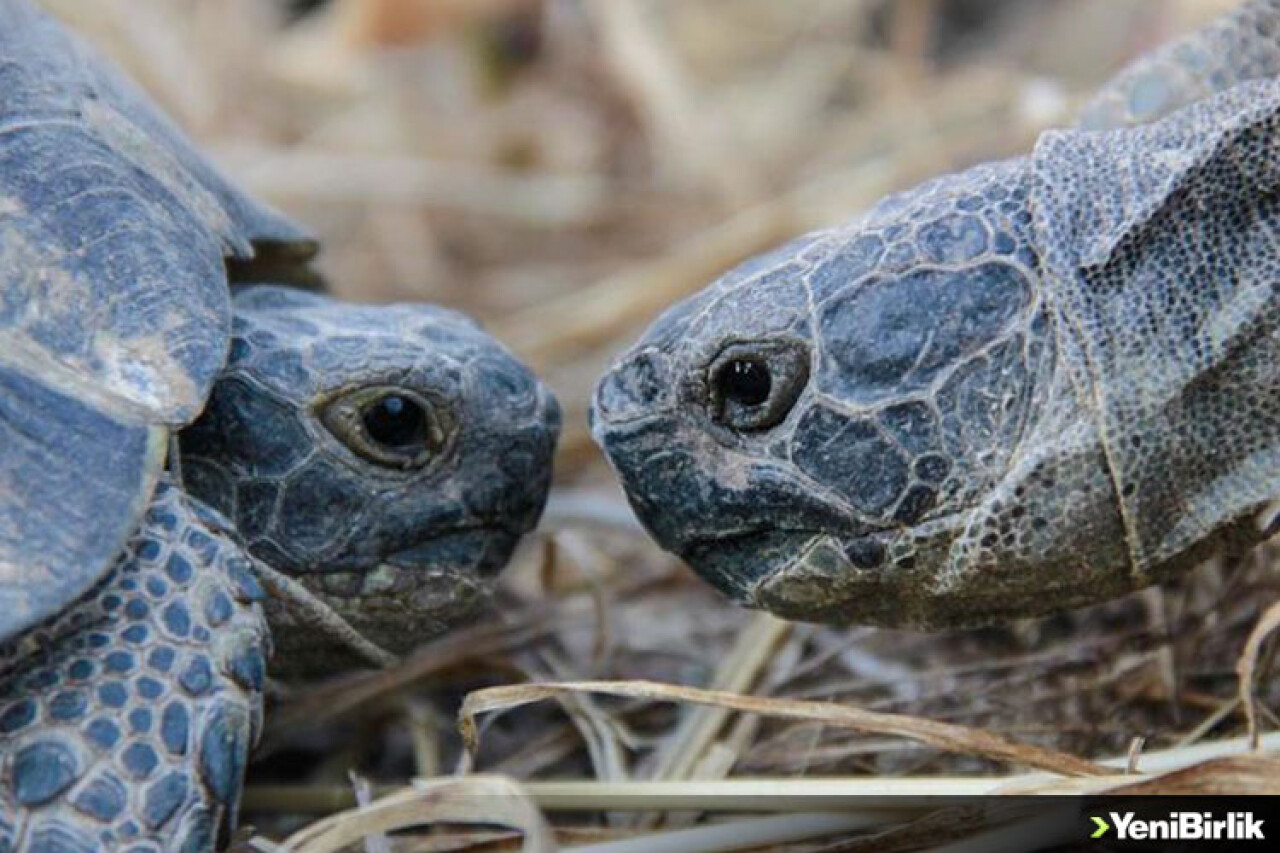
x: 392, y: 427
x: 744, y: 382
x: 395, y: 422
x: 752, y: 386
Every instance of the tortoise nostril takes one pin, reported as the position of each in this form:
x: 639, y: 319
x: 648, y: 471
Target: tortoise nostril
x: 635, y: 387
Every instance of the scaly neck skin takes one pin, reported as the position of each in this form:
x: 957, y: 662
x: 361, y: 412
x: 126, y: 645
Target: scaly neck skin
x: 1240, y: 46
x: 1160, y: 244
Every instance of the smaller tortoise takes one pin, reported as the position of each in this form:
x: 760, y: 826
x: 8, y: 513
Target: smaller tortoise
x: 1027, y: 387
x: 387, y: 458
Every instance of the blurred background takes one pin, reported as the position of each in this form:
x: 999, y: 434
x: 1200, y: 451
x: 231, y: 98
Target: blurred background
x: 564, y: 170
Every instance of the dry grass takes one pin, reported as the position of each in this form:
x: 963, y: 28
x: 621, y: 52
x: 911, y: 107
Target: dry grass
x: 564, y: 170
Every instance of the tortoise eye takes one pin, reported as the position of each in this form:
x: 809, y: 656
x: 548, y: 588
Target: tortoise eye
x: 744, y: 381
x: 753, y: 386
x: 392, y: 427
x: 396, y: 422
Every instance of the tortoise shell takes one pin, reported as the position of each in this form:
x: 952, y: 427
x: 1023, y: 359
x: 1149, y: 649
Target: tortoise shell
x: 115, y: 241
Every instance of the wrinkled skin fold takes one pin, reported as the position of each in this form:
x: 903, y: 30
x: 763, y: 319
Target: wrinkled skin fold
x: 1020, y: 389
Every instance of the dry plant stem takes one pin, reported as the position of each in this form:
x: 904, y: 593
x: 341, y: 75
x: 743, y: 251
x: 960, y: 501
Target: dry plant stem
x: 687, y: 131
x: 1239, y: 775
x: 944, y: 736
x: 321, y: 616
x: 423, y: 734
x: 375, y: 842
x: 734, y: 795
x: 801, y: 795
x: 174, y: 460
x: 752, y: 651
x: 758, y: 833
x: 344, y: 695
x: 538, y: 201
x: 719, y: 759
x: 594, y: 566
x: 1224, y: 710
x: 725, y: 753
x: 1153, y: 763
x: 597, y: 728
x: 780, y: 794
x: 692, y: 752
x: 1270, y: 715
x: 1135, y: 751
x: 542, y: 752
x: 561, y: 328
x: 1247, y: 664
x: 1157, y: 605
x: 475, y: 799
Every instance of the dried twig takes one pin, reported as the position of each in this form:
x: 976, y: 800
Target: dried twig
x: 1245, y: 667
x: 944, y: 736
x: 474, y: 799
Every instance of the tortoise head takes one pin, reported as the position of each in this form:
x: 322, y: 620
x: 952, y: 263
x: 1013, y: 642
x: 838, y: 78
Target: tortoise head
x: 387, y: 457
x: 842, y: 430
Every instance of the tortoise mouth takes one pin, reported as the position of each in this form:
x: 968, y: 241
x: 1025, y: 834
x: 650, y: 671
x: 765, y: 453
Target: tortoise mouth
x: 478, y: 552
x: 814, y: 575
x: 472, y: 555
x: 402, y: 600
x: 736, y: 563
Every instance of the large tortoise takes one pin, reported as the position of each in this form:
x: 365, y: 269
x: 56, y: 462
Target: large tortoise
x: 385, y: 458
x: 1026, y: 387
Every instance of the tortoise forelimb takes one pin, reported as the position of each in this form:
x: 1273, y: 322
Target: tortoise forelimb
x: 131, y: 728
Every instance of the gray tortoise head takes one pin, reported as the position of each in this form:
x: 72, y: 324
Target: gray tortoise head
x: 869, y: 425
x: 812, y: 431
x: 388, y: 457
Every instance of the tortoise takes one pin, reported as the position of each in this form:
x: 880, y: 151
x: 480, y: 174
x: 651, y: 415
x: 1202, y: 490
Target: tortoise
x: 1023, y: 388
x: 386, y: 458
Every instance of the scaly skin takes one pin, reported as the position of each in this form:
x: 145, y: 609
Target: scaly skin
x: 126, y: 721
x: 127, y: 717
x: 1015, y: 390
x: 401, y: 553
x: 1237, y: 48
x: 389, y: 458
